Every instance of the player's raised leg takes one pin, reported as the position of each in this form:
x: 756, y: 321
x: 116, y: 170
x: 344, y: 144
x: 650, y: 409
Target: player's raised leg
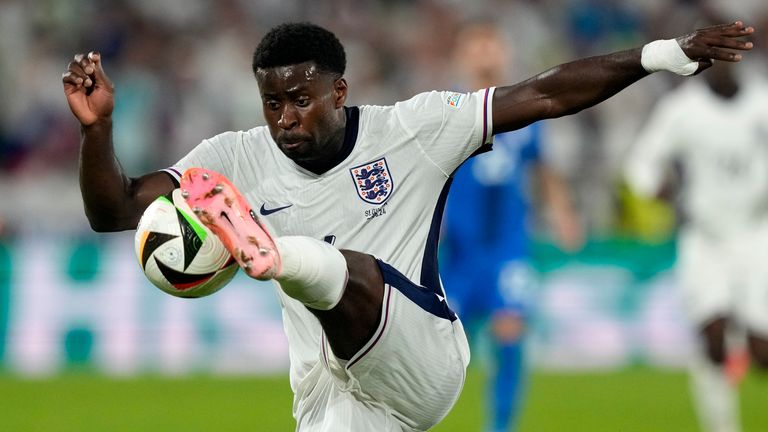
x: 343, y: 289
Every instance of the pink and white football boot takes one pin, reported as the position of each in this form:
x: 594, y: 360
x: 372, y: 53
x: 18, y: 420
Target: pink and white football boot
x: 221, y: 207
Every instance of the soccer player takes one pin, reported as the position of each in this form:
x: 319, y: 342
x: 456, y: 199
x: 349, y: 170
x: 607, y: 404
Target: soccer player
x: 717, y: 130
x: 487, y: 219
x: 346, y: 207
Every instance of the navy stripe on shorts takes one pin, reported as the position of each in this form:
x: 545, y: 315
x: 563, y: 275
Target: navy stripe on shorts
x: 423, y: 297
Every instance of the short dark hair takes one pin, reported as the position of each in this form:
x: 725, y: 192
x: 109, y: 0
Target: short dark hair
x: 294, y: 43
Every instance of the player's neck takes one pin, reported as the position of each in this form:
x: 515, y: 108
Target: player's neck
x: 340, y: 144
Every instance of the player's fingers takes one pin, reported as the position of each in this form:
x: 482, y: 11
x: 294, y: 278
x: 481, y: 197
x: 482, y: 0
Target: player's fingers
x: 71, y: 78
x: 700, y: 46
x: 98, y: 70
x: 716, y: 53
x: 75, y: 69
x: 736, y: 29
x: 739, y: 40
x: 732, y: 28
x: 85, y: 62
x: 74, y: 75
x: 736, y: 44
x: 86, y: 67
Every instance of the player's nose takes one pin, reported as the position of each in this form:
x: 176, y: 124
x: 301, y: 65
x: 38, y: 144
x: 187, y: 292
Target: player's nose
x: 288, y: 118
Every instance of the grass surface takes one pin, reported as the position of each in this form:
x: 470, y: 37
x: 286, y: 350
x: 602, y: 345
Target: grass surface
x: 626, y: 401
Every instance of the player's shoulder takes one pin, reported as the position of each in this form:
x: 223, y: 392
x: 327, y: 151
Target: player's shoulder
x: 409, y: 104
x: 437, y: 100
x: 377, y: 120
x: 253, y: 135
x: 426, y: 107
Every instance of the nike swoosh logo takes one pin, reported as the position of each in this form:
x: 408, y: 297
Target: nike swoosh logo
x: 265, y: 211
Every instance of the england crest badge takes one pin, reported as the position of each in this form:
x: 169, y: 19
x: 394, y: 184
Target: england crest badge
x: 373, y: 181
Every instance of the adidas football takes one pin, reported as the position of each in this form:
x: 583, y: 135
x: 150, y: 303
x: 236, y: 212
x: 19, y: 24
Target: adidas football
x: 179, y: 254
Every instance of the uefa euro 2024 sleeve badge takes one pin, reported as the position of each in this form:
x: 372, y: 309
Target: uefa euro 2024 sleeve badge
x: 373, y: 181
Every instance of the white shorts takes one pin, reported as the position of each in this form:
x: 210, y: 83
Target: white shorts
x: 406, y: 378
x: 726, y: 276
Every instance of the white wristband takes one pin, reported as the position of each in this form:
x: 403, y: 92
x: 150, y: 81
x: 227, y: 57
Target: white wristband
x: 667, y: 55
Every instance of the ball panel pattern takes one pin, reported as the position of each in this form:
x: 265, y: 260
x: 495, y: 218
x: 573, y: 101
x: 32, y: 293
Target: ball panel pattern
x: 177, y: 253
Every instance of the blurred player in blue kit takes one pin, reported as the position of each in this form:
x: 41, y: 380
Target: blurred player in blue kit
x: 373, y: 345
x: 487, y: 225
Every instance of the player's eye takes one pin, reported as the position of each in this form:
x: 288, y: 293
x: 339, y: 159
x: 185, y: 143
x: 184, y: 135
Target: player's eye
x: 272, y: 105
x: 302, y: 102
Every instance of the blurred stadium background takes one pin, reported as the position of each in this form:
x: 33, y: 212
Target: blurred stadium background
x: 87, y: 344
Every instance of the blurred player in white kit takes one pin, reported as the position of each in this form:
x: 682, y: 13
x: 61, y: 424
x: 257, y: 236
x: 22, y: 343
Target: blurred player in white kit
x: 716, y: 129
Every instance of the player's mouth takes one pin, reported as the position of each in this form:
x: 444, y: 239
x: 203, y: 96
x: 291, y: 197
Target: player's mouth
x: 293, y: 144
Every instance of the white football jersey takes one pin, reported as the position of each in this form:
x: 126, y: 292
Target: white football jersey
x: 722, y: 145
x: 385, y: 198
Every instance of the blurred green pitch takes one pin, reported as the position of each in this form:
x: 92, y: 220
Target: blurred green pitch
x: 636, y: 399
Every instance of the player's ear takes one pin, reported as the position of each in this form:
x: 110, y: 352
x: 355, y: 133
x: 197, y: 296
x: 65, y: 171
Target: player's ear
x: 340, y: 92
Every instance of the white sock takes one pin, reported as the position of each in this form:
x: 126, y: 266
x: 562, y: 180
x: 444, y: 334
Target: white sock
x: 716, y: 401
x: 313, y: 272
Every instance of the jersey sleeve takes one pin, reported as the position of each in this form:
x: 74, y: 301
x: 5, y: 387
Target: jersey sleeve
x: 448, y: 126
x: 215, y: 154
x: 652, y: 153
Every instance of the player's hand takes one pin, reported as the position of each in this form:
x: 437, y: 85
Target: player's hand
x: 716, y: 43
x: 89, y: 92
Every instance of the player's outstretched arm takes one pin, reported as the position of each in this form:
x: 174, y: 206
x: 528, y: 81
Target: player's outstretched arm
x: 113, y: 201
x: 572, y: 87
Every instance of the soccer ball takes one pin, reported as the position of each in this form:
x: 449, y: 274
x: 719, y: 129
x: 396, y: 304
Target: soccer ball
x: 179, y: 254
